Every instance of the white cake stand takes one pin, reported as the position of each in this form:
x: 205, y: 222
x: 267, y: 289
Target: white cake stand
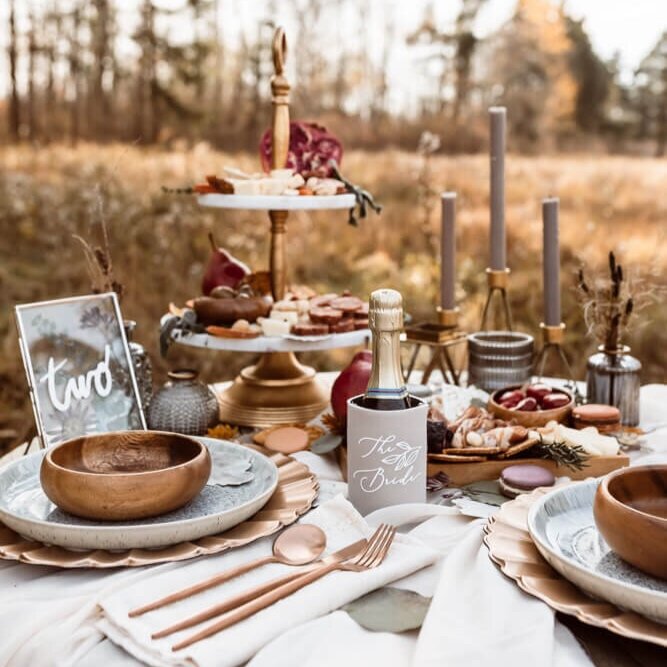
x: 277, y: 389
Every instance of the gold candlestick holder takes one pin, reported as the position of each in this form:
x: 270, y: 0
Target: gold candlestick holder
x: 552, y: 342
x: 439, y: 337
x: 498, y: 283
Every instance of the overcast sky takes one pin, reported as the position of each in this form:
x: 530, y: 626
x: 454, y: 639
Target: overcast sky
x: 629, y: 27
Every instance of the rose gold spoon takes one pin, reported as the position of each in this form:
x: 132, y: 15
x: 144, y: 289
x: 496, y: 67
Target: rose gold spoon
x: 298, y: 545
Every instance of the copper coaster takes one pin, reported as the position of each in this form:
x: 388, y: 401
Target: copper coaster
x: 512, y: 549
x: 294, y: 496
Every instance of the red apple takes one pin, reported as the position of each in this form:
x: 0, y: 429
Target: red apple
x: 553, y: 400
x: 510, y: 398
x: 352, y: 381
x: 528, y: 404
x: 538, y: 391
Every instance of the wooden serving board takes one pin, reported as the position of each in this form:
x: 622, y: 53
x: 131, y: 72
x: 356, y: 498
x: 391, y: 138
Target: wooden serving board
x: 464, y: 473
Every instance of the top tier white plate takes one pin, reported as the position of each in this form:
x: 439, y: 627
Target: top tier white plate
x: 278, y: 203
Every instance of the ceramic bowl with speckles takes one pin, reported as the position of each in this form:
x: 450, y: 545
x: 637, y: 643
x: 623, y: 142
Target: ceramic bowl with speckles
x: 630, y: 512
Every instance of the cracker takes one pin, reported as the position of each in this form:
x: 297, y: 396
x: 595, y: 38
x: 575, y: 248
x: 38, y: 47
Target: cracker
x: 472, y: 451
x: 519, y: 447
x: 453, y: 458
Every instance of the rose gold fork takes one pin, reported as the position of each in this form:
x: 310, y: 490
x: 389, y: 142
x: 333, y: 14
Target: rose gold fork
x: 372, y: 556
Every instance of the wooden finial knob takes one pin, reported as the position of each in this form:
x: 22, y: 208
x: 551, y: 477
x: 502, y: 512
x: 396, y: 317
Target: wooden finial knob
x: 279, y: 50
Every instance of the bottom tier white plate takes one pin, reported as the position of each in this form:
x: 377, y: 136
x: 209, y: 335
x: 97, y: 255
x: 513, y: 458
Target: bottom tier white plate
x: 25, y: 508
x: 563, y: 528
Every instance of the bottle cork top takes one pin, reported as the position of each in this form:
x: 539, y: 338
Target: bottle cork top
x: 385, y: 310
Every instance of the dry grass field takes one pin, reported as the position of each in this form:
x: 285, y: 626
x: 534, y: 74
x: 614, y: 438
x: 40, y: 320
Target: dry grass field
x: 159, y: 243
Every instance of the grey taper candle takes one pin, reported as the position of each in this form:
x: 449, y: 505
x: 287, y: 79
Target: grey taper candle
x: 551, y: 262
x: 498, y: 250
x: 448, y: 251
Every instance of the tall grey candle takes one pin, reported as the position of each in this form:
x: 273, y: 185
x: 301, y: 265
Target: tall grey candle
x: 551, y: 262
x: 448, y: 251
x: 497, y: 119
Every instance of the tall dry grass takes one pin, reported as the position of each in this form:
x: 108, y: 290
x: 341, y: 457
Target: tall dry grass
x: 159, y: 241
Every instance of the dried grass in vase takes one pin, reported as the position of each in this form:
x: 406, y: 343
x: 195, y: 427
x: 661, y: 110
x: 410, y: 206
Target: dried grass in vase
x: 611, y: 302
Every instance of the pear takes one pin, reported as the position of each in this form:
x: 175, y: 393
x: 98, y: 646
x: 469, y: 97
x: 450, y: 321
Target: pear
x: 222, y: 269
x: 352, y: 381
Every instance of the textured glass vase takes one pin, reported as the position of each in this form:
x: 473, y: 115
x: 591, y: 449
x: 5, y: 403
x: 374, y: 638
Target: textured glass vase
x: 613, y: 378
x: 183, y: 405
x: 143, y: 369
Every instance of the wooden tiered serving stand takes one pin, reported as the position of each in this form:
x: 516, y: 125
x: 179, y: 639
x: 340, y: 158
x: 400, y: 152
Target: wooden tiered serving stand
x: 277, y: 389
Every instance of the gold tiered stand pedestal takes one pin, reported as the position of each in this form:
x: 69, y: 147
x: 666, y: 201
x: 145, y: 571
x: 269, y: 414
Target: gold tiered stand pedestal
x: 277, y: 389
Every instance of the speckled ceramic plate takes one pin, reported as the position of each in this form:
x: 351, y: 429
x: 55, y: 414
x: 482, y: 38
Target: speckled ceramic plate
x: 563, y: 528
x: 25, y: 509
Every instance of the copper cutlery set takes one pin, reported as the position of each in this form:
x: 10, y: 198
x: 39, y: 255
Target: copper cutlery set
x: 299, y: 545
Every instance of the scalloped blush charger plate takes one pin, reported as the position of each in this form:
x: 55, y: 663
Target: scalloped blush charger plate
x: 563, y: 529
x: 25, y: 508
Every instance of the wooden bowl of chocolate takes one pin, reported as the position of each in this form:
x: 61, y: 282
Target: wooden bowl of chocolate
x: 532, y: 405
x: 630, y: 510
x: 125, y: 475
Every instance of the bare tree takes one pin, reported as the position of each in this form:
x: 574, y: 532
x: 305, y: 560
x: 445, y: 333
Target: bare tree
x: 14, y: 103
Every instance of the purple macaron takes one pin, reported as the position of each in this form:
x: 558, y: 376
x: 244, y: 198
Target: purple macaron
x: 524, y: 478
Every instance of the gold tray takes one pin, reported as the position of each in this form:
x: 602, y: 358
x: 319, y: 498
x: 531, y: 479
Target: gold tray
x: 296, y: 491
x: 511, y: 548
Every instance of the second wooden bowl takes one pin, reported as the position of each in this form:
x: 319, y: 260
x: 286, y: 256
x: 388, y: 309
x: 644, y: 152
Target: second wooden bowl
x: 630, y: 512
x: 534, y: 419
x: 125, y: 475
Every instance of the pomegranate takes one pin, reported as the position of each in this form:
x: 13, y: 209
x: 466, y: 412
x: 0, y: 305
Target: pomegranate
x: 311, y: 147
x: 352, y: 381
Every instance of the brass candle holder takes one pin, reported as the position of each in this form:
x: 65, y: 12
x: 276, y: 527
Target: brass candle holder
x: 552, y: 341
x: 439, y: 337
x: 498, y: 283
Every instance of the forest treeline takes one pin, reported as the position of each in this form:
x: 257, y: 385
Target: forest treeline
x: 76, y: 72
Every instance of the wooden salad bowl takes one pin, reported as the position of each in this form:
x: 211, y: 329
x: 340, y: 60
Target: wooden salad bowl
x: 535, y: 419
x: 630, y: 510
x: 125, y: 475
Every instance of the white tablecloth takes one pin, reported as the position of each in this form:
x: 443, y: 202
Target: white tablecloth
x: 477, y: 617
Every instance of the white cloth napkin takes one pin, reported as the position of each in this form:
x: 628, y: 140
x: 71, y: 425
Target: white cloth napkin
x: 342, y: 524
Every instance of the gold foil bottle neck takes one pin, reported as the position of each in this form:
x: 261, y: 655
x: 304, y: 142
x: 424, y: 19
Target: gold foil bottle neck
x: 385, y: 310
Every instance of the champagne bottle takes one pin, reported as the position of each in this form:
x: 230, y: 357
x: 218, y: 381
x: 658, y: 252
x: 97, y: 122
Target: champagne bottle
x: 386, y: 427
x: 386, y: 387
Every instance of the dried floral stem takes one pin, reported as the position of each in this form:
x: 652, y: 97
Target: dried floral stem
x: 610, y: 302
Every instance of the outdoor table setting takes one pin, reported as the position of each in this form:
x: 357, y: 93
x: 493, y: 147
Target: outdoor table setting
x: 473, y: 511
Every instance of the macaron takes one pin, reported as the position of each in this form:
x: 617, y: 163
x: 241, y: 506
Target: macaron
x: 606, y: 418
x: 287, y: 440
x: 524, y: 478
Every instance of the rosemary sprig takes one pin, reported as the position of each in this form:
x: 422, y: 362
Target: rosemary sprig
x: 573, y: 457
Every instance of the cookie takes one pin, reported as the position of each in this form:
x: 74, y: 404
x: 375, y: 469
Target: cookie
x: 310, y: 329
x: 325, y: 315
x: 524, y: 478
x: 606, y: 418
x: 342, y: 327
x: 348, y: 304
x: 360, y: 324
x: 322, y: 300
